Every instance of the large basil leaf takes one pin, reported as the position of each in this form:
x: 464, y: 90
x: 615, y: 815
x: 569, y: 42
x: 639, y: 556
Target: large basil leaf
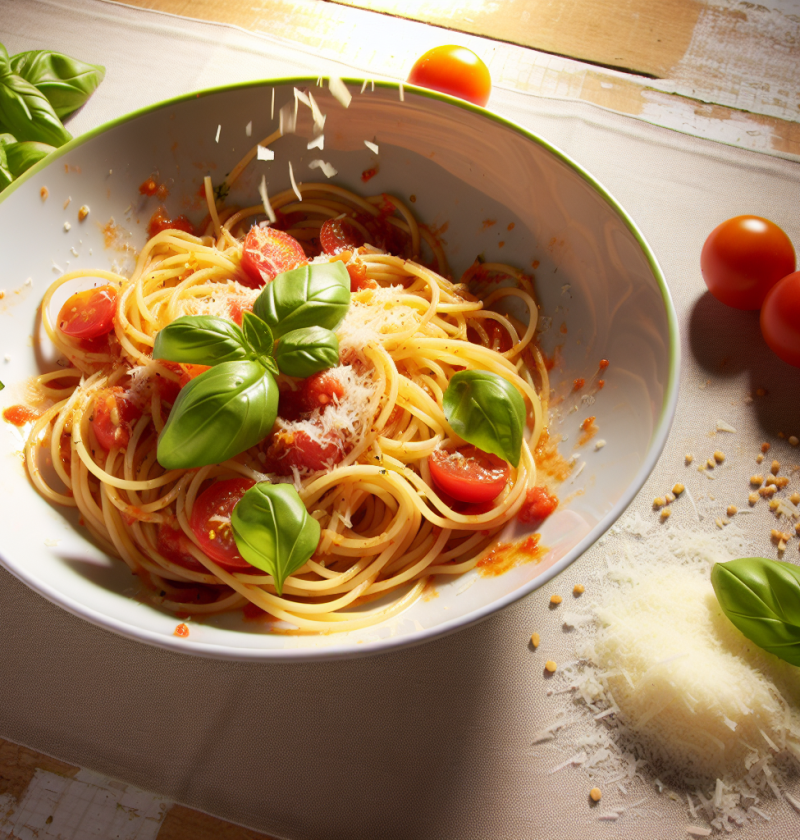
x: 485, y: 410
x: 762, y: 599
x: 22, y: 156
x: 218, y: 415
x: 200, y: 340
x: 25, y: 110
x: 307, y: 351
x: 273, y: 530
x: 66, y: 82
x: 5, y: 173
x: 315, y: 295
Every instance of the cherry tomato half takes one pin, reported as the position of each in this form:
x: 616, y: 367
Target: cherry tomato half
x: 468, y: 474
x: 454, y: 70
x: 780, y: 319
x: 89, y: 314
x: 743, y: 258
x: 337, y: 235
x: 216, y: 535
x: 113, y: 413
x: 269, y: 252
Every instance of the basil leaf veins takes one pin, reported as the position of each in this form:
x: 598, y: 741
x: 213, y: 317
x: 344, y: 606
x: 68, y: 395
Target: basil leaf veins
x: 25, y: 110
x: 218, y: 415
x: 201, y: 340
x: 316, y: 295
x: 762, y: 599
x: 273, y: 530
x: 307, y: 351
x: 487, y: 411
x: 22, y: 156
x: 66, y: 82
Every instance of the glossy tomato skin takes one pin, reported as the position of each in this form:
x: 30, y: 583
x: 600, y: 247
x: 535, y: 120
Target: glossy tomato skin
x: 267, y: 253
x: 780, y: 319
x: 468, y: 474
x: 173, y: 544
x: 89, y: 314
x: 113, y: 414
x: 216, y: 538
x: 743, y: 258
x: 454, y: 70
x: 337, y: 235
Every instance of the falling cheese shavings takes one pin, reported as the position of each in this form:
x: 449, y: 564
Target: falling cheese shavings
x: 263, y: 153
x: 364, y: 86
x: 299, y: 94
x: 294, y: 183
x: 339, y: 91
x: 373, y: 147
x: 287, y: 118
x: 262, y: 189
x: 574, y: 761
x: 317, y: 115
x: 317, y: 143
x: 272, y: 106
x: 402, y: 92
x: 722, y: 426
x: 327, y: 169
x: 219, y: 129
x: 248, y: 129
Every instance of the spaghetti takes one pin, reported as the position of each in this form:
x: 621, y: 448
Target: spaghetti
x: 386, y: 527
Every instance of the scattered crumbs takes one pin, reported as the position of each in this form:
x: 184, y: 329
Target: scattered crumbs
x: 665, y: 514
x: 760, y: 458
x: 51, y: 542
x: 698, y: 831
x: 44, y: 193
x: 688, y: 458
x: 535, y: 639
x: 181, y: 631
x: 57, y: 267
x: 556, y: 599
x: 2, y: 293
x: 595, y: 794
x: 7, y: 357
x: 28, y: 281
x: 765, y: 447
x: 66, y: 203
x: 704, y: 385
x: 599, y: 445
x: 578, y: 589
x: 658, y: 502
x: 719, y: 456
x: 793, y: 440
x: 550, y: 666
x: 774, y: 467
x: 732, y: 510
x: 83, y: 212
x: 67, y: 225
x: 678, y: 489
x: 722, y: 426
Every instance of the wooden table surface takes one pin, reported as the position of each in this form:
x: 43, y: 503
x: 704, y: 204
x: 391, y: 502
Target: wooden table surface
x: 727, y: 70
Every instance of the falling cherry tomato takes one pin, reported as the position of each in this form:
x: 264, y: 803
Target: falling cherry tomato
x: 743, y: 258
x: 453, y: 70
x: 780, y: 319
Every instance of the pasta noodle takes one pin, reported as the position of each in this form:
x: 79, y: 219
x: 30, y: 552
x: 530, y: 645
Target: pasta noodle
x: 385, y: 527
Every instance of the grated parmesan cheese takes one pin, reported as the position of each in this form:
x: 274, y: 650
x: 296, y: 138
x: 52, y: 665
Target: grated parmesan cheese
x: 263, y: 153
x: 339, y: 91
x: 373, y: 147
x: 294, y: 183
x: 262, y: 190
x: 328, y: 170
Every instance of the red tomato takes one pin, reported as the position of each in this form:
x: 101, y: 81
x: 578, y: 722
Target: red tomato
x: 780, y: 319
x: 301, y: 450
x: 219, y: 500
x: 173, y: 544
x: 743, y: 258
x: 160, y: 221
x: 269, y: 252
x: 320, y: 390
x: 468, y: 474
x: 89, y: 314
x: 358, y: 277
x: 454, y: 70
x: 337, y: 235
x: 112, y: 416
x: 538, y: 505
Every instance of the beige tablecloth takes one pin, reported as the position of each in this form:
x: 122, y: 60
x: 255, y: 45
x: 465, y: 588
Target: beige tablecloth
x: 432, y: 742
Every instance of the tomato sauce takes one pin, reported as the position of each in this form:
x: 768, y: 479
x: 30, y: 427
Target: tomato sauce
x: 161, y: 221
x: 549, y: 460
x: 19, y: 415
x: 181, y: 631
x: 589, y: 428
x: 369, y: 174
x: 507, y: 556
x: 538, y: 505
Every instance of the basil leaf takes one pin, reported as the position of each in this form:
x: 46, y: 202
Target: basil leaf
x: 315, y: 295
x: 5, y: 173
x: 66, y: 82
x: 2, y: 386
x: 273, y: 530
x: 22, y: 156
x: 5, y: 177
x: 258, y: 335
x: 762, y: 599
x: 26, y: 113
x: 307, y: 351
x: 218, y: 415
x: 485, y: 410
x: 201, y: 340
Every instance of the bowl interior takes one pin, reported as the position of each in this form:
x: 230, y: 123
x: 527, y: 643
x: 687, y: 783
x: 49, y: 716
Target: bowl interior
x: 484, y: 185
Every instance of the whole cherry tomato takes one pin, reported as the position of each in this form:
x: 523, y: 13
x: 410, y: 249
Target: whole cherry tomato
x: 743, y: 258
x: 780, y: 319
x: 454, y: 70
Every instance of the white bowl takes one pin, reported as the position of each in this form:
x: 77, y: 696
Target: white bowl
x: 596, y: 276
